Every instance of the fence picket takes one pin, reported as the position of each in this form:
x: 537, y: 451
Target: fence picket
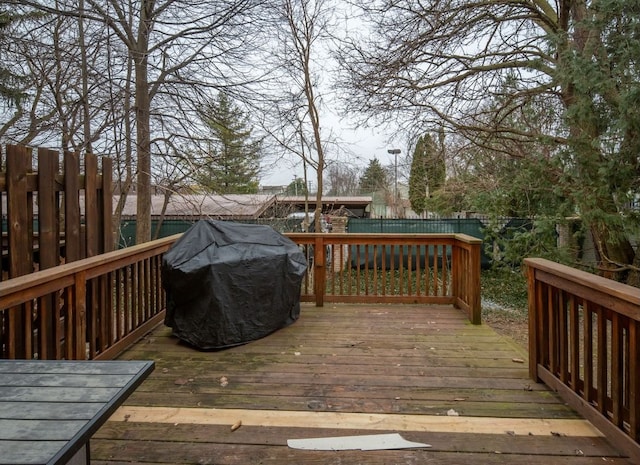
x: 73, y: 248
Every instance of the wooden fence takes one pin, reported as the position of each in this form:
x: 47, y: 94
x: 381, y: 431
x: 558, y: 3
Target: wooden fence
x: 94, y: 308
x: 49, y: 216
x: 53, y: 213
x: 584, y: 342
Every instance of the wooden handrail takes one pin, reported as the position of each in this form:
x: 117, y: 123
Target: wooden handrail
x: 95, y: 307
x: 584, y: 342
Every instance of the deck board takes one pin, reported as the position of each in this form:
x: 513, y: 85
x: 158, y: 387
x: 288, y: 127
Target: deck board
x: 353, y: 360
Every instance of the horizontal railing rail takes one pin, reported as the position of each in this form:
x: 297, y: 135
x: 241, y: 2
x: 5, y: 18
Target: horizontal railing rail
x: 584, y: 342
x: 96, y: 307
x: 393, y: 268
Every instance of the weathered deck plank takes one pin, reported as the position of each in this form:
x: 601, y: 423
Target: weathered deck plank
x: 417, y: 361
x: 217, y: 444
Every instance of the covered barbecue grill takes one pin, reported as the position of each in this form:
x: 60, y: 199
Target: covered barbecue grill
x: 230, y: 283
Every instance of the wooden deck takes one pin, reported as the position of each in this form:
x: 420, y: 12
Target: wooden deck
x: 422, y: 371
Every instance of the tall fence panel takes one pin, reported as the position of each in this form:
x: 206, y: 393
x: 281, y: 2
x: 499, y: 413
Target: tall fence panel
x: 52, y: 213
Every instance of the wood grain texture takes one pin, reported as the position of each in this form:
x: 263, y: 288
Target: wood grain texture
x: 346, y: 370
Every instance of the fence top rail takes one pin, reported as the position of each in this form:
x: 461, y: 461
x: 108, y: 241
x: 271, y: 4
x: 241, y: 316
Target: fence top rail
x: 111, y: 260
x: 588, y: 282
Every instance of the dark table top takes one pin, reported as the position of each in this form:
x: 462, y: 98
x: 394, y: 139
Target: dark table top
x: 50, y: 409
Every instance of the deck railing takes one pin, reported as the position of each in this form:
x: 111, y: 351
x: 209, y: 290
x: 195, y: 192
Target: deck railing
x: 89, y: 309
x: 393, y: 268
x: 584, y: 342
x: 96, y: 307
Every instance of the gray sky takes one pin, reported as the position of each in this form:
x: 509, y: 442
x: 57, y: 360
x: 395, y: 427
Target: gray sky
x: 357, y: 147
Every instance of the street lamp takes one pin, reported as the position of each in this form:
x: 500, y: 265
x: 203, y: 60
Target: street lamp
x: 395, y: 153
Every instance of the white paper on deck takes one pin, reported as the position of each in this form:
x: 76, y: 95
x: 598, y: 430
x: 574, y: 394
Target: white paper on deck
x: 364, y: 442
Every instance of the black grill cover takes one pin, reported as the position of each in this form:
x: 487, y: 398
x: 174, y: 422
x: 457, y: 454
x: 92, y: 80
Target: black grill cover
x: 229, y: 283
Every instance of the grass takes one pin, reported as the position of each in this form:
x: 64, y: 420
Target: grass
x: 505, y: 288
x: 504, y: 302
x: 502, y: 289
x: 385, y: 282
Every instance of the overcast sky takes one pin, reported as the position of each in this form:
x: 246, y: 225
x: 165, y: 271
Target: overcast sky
x: 357, y: 148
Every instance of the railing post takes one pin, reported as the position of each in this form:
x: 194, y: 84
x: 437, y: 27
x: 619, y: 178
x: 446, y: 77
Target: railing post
x: 80, y: 316
x: 456, y: 267
x: 533, y: 326
x: 319, y: 271
x: 634, y: 381
x: 475, y: 306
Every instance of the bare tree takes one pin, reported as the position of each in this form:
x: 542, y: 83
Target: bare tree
x: 343, y: 179
x: 304, y: 27
x: 473, y: 64
x: 172, y: 44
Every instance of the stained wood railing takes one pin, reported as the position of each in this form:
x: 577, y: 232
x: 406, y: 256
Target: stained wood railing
x: 96, y: 307
x: 584, y: 342
x: 89, y: 309
x: 393, y: 268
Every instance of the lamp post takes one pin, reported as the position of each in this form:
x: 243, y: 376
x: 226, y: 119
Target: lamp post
x: 395, y: 153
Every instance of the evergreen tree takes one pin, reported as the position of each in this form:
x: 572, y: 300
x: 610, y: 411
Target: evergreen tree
x: 297, y: 187
x: 231, y: 163
x: 427, y: 173
x: 516, y: 177
x: 9, y: 90
x: 603, y: 114
x: 374, y: 177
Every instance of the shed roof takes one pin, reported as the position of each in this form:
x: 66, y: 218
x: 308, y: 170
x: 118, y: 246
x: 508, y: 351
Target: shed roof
x: 327, y: 200
x: 237, y: 206
x: 358, y: 205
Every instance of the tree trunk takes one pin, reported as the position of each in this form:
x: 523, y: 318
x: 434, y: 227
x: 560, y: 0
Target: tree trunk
x: 143, y: 149
x: 634, y: 275
x: 65, y: 141
x: 125, y: 165
x: 315, y: 124
x: 165, y: 203
x: 614, y: 253
x: 85, y: 83
x: 143, y: 126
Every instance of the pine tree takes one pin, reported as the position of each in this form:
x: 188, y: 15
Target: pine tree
x: 427, y: 173
x: 9, y: 91
x: 231, y: 163
x: 374, y: 177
